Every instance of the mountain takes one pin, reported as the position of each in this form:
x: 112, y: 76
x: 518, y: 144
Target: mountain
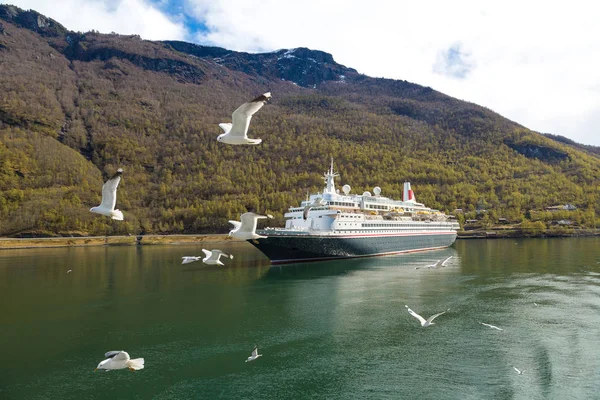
x: 76, y: 106
x: 585, y: 147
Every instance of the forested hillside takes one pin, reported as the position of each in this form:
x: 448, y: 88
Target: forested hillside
x: 76, y: 106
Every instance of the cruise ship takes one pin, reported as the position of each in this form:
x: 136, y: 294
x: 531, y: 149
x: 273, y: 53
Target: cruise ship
x: 334, y: 225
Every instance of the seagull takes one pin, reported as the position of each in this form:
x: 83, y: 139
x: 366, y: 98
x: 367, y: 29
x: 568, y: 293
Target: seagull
x: 437, y: 264
x: 491, y: 326
x: 520, y: 372
x: 445, y: 261
x: 246, y: 229
x: 317, y: 203
x: 109, y: 198
x: 254, y: 355
x: 190, y: 259
x: 424, y: 323
x: 213, y: 257
x: 119, y: 359
x: 535, y: 304
x: 237, y: 133
x: 69, y: 271
x: 434, y: 265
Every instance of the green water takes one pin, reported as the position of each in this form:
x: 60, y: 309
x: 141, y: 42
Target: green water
x: 335, y: 330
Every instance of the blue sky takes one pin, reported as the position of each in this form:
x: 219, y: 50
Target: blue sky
x: 453, y: 62
x: 178, y: 11
x: 535, y: 62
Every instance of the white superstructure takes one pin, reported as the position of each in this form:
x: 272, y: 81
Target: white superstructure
x: 344, y: 213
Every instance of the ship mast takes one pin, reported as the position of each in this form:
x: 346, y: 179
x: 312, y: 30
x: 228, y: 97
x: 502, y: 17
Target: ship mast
x: 329, y: 180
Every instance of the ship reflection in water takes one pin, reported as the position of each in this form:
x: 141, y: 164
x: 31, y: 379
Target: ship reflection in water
x: 410, y: 263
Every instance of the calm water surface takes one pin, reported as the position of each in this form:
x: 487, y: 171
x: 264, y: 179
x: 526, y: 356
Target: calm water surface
x: 336, y: 330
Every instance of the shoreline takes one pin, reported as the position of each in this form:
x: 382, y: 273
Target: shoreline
x: 518, y: 233
x: 149, y: 240
x: 87, y: 241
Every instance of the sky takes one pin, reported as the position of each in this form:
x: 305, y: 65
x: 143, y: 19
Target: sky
x: 534, y: 62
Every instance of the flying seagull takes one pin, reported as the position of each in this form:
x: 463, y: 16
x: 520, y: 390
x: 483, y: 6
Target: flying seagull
x: 424, y: 322
x: 109, y: 198
x: 520, y: 372
x: 120, y: 359
x: 254, y: 355
x: 213, y: 257
x: 190, y: 259
x: 437, y: 264
x: 237, y: 133
x: 491, y: 326
x: 318, y: 202
x: 246, y: 229
x: 433, y: 266
x: 445, y: 261
x: 69, y: 271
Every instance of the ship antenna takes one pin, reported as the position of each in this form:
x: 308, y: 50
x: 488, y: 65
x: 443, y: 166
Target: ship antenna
x: 329, y: 180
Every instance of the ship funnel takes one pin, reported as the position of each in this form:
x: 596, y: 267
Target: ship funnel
x: 408, y: 195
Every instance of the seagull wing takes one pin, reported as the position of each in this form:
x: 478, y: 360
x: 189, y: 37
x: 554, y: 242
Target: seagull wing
x: 226, y: 126
x: 207, y: 253
x: 305, y: 213
x: 109, y: 191
x: 249, y: 221
x: 445, y: 261
x: 243, y: 114
x: 518, y: 371
x: 111, y: 354
x: 491, y: 326
x: 255, y: 352
x: 236, y: 225
x: 218, y: 253
x: 414, y: 314
x: 121, y: 356
x: 434, y: 316
x: 318, y: 202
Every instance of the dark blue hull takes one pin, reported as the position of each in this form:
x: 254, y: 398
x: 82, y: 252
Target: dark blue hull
x: 284, y: 248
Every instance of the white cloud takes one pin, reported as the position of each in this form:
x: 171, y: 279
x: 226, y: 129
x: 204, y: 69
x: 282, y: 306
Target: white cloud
x: 120, y: 16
